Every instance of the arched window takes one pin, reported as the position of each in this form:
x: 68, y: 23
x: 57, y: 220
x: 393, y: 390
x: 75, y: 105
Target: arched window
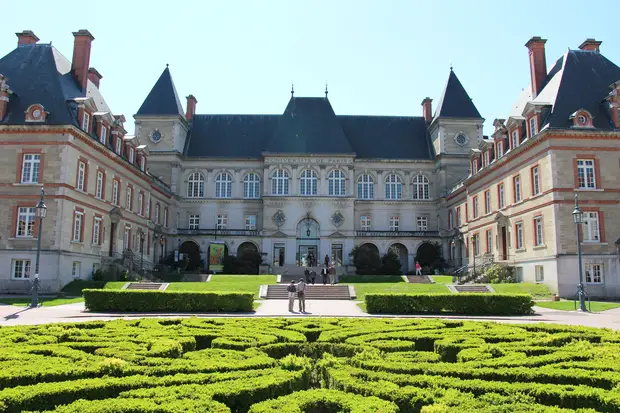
x: 279, y: 182
x: 223, y: 185
x: 337, y: 183
x: 393, y: 187
x: 308, y: 182
x: 365, y: 187
x: 196, y: 185
x: 251, y: 186
x: 420, y: 187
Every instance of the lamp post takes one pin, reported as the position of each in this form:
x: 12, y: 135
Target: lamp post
x: 40, y: 212
x: 578, y: 219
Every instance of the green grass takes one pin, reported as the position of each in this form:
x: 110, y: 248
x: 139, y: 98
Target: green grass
x: 74, y: 288
x: 442, y: 279
x: 538, y: 291
x: 388, y: 284
x: 45, y: 302
x: 596, y: 306
x: 239, y: 283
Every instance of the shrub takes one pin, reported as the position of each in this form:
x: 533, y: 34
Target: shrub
x: 177, y: 301
x: 366, y: 260
x: 327, y: 401
x: 494, y: 304
x: 390, y: 263
x: 497, y: 274
x: 247, y: 262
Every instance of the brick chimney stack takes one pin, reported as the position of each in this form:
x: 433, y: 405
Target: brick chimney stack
x: 538, y: 63
x: 591, y: 45
x: 427, y: 109
x: 81, y: 56
x: 26, y: 37
x: 94, y: 76
x: 191, y: 107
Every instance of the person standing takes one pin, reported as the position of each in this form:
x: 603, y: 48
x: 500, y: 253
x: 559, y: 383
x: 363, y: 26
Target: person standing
x: 291, y: 289
x: 418, y: 269
x: 307, y: 274
x: 324, y: 274
x: 326, y: 260
x: 332, y: 275
x: 312, y: 276
x: 301, y: 294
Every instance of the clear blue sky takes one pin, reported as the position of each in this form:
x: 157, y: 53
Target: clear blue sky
x: 379, y: 57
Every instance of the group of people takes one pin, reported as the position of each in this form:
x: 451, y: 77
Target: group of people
x: 327, y: 273
x: 299, y: 289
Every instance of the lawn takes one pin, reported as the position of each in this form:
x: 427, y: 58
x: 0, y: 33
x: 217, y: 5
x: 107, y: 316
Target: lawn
x: 538, y: 291
x: 569, y: 305
x: 442, y: 279
x: 388, y: 284
x: 45, y: 302
x: 238, y: 283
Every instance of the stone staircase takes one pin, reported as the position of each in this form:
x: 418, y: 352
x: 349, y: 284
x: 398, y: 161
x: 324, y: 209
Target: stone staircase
x: 416, y: 279
x: 472, y: 288
x: 146, y: 286
x: 313, y: 292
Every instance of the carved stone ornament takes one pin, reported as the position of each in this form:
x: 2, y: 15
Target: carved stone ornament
x: 279, y: 218
x: 337, y: 219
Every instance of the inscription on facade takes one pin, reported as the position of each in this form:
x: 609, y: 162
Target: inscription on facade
x: 308, y: 160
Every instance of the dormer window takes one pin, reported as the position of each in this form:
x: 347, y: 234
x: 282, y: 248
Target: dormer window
x: 104, y: 135
x: 474, y: 166
x: 36, y: 113
x: 119, y: 145
x: 514, y: 136
x: 533, y: 126
x: 581, y: 119
x: 500, y: 149
x: 486, y: 158
x: 86, y: 122
x: 142, y: 163
x: 131, y: 154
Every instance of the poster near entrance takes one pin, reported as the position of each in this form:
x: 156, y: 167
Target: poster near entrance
x: 216, y: 257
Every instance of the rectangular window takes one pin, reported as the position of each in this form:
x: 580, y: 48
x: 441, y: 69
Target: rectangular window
x: 165, y: 217
x: 517, y: 188
x: 476, y: 239
x: 500, y: 149
x: 538, y: 234
x: 81, y: 178
x: 148, y: 206
x: 99, y: 188
x: 450, y: 219
x: 250, y: 222
x: 194, y: 221
x: 475, y: 209
x: 458, y: 216
x: 487, y: 202
x: 25, y: 222
x: 585, y: 173
x: 126, y: 238
x: 86, y: 122
x: 75, y: 269
x: 31, y: 165
x: 533, y: 126
x: 337, y: 255
x: 128, y: 199
x: 519, y: 235
x: 486, y: 158
x: 474, y: 167
x: 131, y: 154
x: 590, y: 228
x: 535, y: 181
x: 78, y: 222
x: 142, y: 163
x: 115, y: 193
x: 97, y: 231
x: 104, y: 135
x: 514, y: 138
x: 540, y: 273
x: 366, y: 222
x: 501, y: 196
x: 489, y: 241
x: 96, y: 267
x: 394, y: 222
x: 119, y: 145
x: 140, y: 204
x: 222, y: 221
x: 156, y: 220
x: 422, y: 223
x: 594, y: 273
x: 20, y: 269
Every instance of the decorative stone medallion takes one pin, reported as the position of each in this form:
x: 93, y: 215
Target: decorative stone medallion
x: 461, y: 139
x: 279, y: 218
x: 337, y: 219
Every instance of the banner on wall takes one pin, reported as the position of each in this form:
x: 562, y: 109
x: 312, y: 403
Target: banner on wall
x: 216, y: 257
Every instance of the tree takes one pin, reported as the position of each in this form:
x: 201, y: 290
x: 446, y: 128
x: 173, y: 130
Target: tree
x: 390, y: 263
x: 366, y: 260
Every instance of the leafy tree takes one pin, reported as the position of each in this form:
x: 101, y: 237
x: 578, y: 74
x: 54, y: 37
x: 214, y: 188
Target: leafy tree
x: 390, y: 263
x: 366, y: 260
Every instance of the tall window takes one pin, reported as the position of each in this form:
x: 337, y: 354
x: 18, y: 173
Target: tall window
x: 115, y: 193
x: 533, y: 126
x: 474, y: 167
x: 420, y: 187
x: 78, y: 222
x: 365, y: 187
x: 535, y: 181
x: 148, y: 207
x: 394, y: 223
x: 140, y: 203
x: 393, y: 187
x: 251, y: 186
x: 194, y: 221
x: 118, y: 145
x: 485, y: 158
x: 422, y: 223
x: 222, y: 221
x: 126, y: 238
x: 458, y: 216
x: 476, y: 244
x: 337, y: 183
x: 223, y: 185
x: 538, y: 234
x: 30, y: 168
x: 519, y: 235
x: 131, y: 154
x: 165, y: 223
x: 97, y: 231
x: 517, y: 188
x: 250, y: 222
x: 489, y: 241
x: 279, y: 182
x: 515, y: 138
x: 129, y: 199
x: 366, y: 222
x: 539, y: 271
x: 450, y: 219
x: 81, y: 178
x: 21, y: 269
x: 142, y: 163
x: 196, y: 185
x: 99, y: 186
x: 501, y: 196
x: 25, y: 222
x: 585, y: 173
x: 104, y: 135
x: 475, y: 203
x: 308, y: 182
x: 591, y: 232
x: 594, y: 273
x: 500, y: 149
x: 86, y: 122
x: 487, y: 202
x: 156, y: 220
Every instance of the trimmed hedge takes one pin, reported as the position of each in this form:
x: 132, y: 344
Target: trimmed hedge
x: 169, y: 301
x: 328, y: 401
x: 472, y: 304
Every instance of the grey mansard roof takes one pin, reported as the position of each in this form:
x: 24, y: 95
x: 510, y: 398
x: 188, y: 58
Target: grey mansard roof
x: 163, y: 98
x: 455, y: 102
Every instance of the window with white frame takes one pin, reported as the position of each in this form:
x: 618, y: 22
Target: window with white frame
x: 147, y: 213
x: 474, y: 167
x: 515, y: 138
x: 594, y: 273
x: 365, y: 187
x: 475, y: 204
x: 140, y: 203
x: 535, y: 181
x: 196, y: 185
x: 501, y: 196
x: 519, y: 235
x: 422, y: 223
x: 489, y: 241
x: 96, y: 267
x: 222, y: 221
x: 86, y: 122
x: 477, y: 245
x: 251, y: 186
x: 450, y: 219
x: 104, y: 135
x: 458, y: 216
x: 533, y: 126
x: 126, y: 238
x: 142, y: 163
x: 394, y: 223
x: 485, y: 158
x: 586, y: 173
x: 487, y: 202
x: 78, y: 223
x: 250, y: 222
x: 132, y: 152
x: 25, y: 222
x: 21, y: 269
x: 366, y: 222
x: 308, y: 182
x: 99, y: 186
x: 223, y: 185
x: 279, y: 182
x: 119, y: 145
x: 337, y: 183
x: 97, y: 231
x: 591, y: 231
x: 81, y: 178
x: 31, y: 165
x: 115, y: 193
x: 517, y: 188
x: 165, y: 217
x: 538, y: 236
x: 194, y: 221
x: 393, y: 187
x: 500, y: 149
x: 540, y: 273
x: 156, y: 219
x: 128, y: 199
x: 76, y: 269
x: 421, y: 187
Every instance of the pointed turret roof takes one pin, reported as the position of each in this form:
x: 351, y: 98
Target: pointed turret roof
x: 163, y: 98
x: 455, y: 102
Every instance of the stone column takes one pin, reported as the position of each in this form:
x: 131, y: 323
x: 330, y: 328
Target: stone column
x: 209, y: 188
x: 266, y: 181
x: 237, y: 184
x: 351, y: 183
x: 322, y: 184
x: 293, y: 190
x: 380, y: 186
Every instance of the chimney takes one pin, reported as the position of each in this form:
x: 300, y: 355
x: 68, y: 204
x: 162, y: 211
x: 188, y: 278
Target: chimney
x: 5, y: 92
x: 191, y: 107
x: 94, y: 76
x: 538, y: 63
x: 591, y: 45
x: 427, y: 109
x: 81, y: 56
x: 26, y: 37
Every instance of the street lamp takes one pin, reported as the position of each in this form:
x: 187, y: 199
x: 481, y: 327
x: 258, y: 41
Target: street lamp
x: 578, y: 219
x: 40, y: 212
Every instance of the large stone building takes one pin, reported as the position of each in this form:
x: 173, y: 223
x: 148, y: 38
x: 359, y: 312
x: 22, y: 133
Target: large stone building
x: 307, y: 181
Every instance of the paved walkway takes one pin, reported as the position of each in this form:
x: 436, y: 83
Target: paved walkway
x: 11, y: 315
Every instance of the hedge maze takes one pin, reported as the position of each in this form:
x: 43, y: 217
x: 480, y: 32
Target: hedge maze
x: 308, y: 365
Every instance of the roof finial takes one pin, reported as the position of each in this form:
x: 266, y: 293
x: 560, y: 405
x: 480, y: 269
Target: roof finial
x: 451, y: 66
x: 292, y: 89
x: 166, y: 64
x: 326, y: 92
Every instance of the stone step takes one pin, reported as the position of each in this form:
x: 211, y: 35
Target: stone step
x: 145, y: 286
x: 417, y: 279
x: 313, y: 292
x: 472, y: 288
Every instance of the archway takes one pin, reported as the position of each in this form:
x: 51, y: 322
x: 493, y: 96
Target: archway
x: 247, y: 261
x: 427, y: 254
x: 308, y: 237
x: 246, y: 247
x: 403, y: 256
x: 370, y: 247
x: 191, y: 250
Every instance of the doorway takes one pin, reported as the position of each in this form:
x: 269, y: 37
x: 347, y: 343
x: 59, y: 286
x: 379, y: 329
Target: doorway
x: 305, y: 253
x: 278, y: 254
x: 504, y: 245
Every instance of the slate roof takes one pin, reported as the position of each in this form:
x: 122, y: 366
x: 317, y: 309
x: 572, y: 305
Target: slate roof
x: 455, y: 102
x: 162, y: 99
